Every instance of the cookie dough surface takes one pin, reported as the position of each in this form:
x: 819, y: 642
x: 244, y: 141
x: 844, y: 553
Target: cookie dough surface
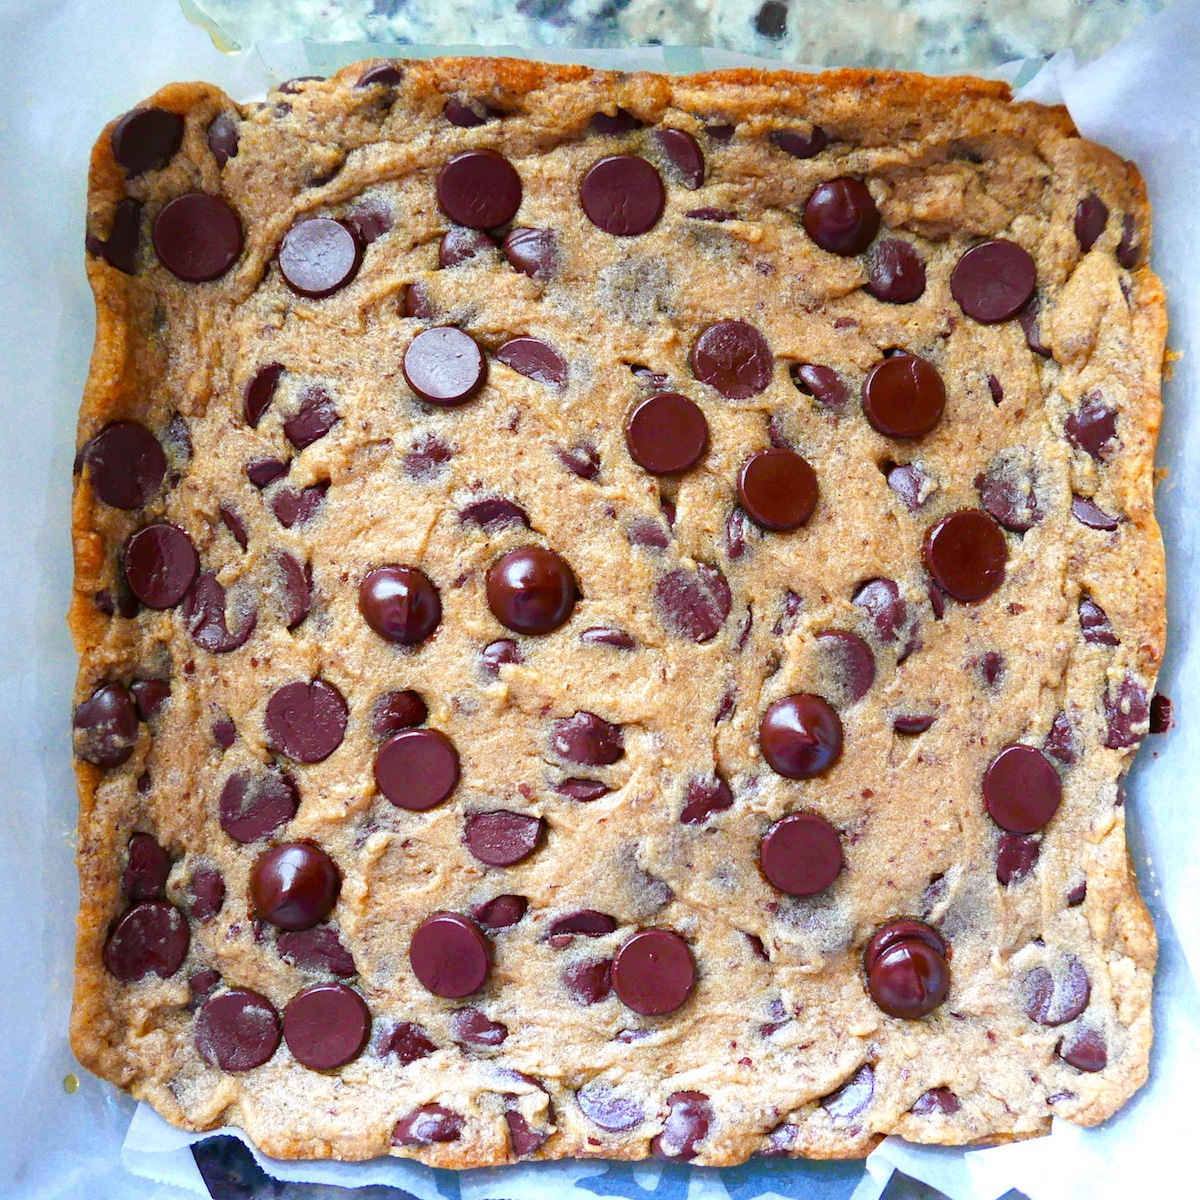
x: 258, y: 707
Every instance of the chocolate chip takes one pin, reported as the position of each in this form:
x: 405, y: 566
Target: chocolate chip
x: 475, y: 1029
x: 1088, y: 512
x: 1161, y: 719
x: 719, y: 132
x: 822, y: 383
x: 427, y: 458
x: 1077, y: 895
x: 532, y: 590
x: 222, y: 138
x: 1021, y: 789
x: 1094, y: 623
x: 318, y: 949
x: 710, y: 214
x: 400, y: 604
x: 255, y: 805
x: 703, y: 798
x: 395, y: 711
x: 369, y: 223
x: 995, y: 388
x: 146, y: 139
x: 622, y: 121
x: 294, y: 885
x: 105, y: 726
x: 1054, y: 998
x: 408, y: 1042
x: 449, y: 956
x: 120, y: 248
x: 848, y: 660
x: 237, y: 1030
x: 427, y: 1125
x: 907, y: 971
x: 622, y: 194
x: 1084, y: 1049
x: 800, y: 736
x: 896, y: 272
x: 326, y: 1026
x: 204, y: 613
x: 737, y: 527
x: 149, y: 695
x: 684, y: 154
x: 799, y: 144
x: 801, y: 854
x: 587, y: 922
x: 319, y: 256
x: 501, y: 912
x: 502, y: 838
x: 582, y: 790
x: 416, y: 302
x: 780, y: 1142
x: 126, y: 464
x: 224, y: 732
x: 903, y: 396
x: 197, y: 237
x: 534, y: 359
x: 297, y: 589
x: 206, y: 893
x: 160, y: 563
x: 939, y: 1100
x: 649, y: 534
x: 260, y: 391
x: 1007, y: 490
x: 1016, y: 855
x: 966, y: 554
x: 777, y: 489
x: 385, y: 74
x: 1092, y: 427
x: 460, y: 245
x: 688, y: 1119
x: 496, y: 654
x: 994, y: 281
x: 1091, y: 216
x: 417, y: 769
x: 841, y: 217
x: 146, y: 869
x: 734, y: 358
x: 444, y: 365
x: 1128, y: 253
x: 292, y: 87
x: 912, y: 724
x: 306, y: 721
x: 604, y: 1108
x: 588, y: 740
x: 694, y: 604
x: 150, y: 937
x: 293, y: 506
x: 910, y: 483
x: 1030, y: 321
x: 202, y: 985
x: 852, y: 1098
x: 666, y: 434
x: 316, y: 417
x: 582, y: 461
x: 653, y: 972
x: 882, y: 600
x: 234, y: 523
x: 1127, y: 713
x: 993, y: 667
x: 531, y: 251
x: 479, y: 189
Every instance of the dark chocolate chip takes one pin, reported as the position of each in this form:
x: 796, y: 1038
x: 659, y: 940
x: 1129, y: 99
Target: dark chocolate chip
x: 1127, y: 714
x: 480, y: 189
x: 206, y: 893
x: 995, y: 388
x: 1029, y: 319
x: 801, y: 854
x: 848, y: 660
x: 908, y: 975
x: 1007, y: 490
x: 694, y: 604
x: 319, y: 256
x: 777, y: 489
x: 464, y: 114
x: 653, y: 972
x: 472, y: 1027
x: 822, y: 383
x: 395, y: 711
x: 427, y: 1125
x: 318, y: 949
x: 306, y: 721
x: 604, y: 1108
x: 912, y: 724
x: 689, y: 1116
x: 260, y: 391
x: 841, y: 217
x: 297, y: 589
x: 966, y: 554
x: 666, y: 434
x: 385, y: 74
x: 587, y: 922
x: 408, y: 1042
x: 126, y: 464
x: 232, y: 521
x: 1016, y: 855
x: 326, y: 1026
x: 427, y: 458
x: 607, y: 636
x: 622, y: 194
x: 237, y: 1030
x: 444, y: 365
x: 910, y: 483
x: 940, y: 1101
x: 105, y: 726
x: 903, y: 396
x: 649, y: 534
x: 684, y: 154
x: 531, y: 251
x: 460, y: 245
x: 1127, y: 252
x: 1092, y: 427
x: 1084, y: 1049
x: 737, y: 529
x: 704, y: 797
x: 294, y: 886
x: 146, y: 869
x: 160, y: 564
x: 994, y: 281
x: 496, y: 654
x: 400, y: 604
x: 589, y: 981
x: 896, y: 272
x: 615, y: 124
x: 799, y: 144
x: 1054, y: 998
x: 1021, y: 789
x: 532, y: 590
x: 150, y: 937
x: 316, y: 417
x: 416, y: 302
x: 417, y: 769
x: 1088, y: 512
x: 534, y: 359
x: 1094, y: 623
x: 222, y: 138
x: 204, y: 613
x: 583, y: 790
x: 588, y: 740
x: 581, y: 460
x: 1091, y: 216
x: 800, y: 736
x: 734, y: 358
x: 852, y: 1098
x: 882, y: 600
x: 503, y: 838
x: 149, y: 695
x: 146, y: 139
x: 369, y: 223
x: 120, y: 248
x: 298, y: 506
x: 252, y: 806
x: 1161, y: 718
x: 719, y: 132
x: 501, y: 912
x: 197, y: 237
x: 449, y: 956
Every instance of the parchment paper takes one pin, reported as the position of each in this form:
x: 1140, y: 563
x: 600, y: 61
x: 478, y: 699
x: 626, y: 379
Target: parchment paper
x: 67, y: 68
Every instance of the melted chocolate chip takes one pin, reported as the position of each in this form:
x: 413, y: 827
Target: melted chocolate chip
x: 1056, y: 997
x: 683, y: 152
x: 319, y: 950
x: 480, y: 189
x: 588, y: 740
x: 501, y: 912
x: 994, y: 281
x: 532, y: 590
x: 150, y: 937
x: 531, y: 251
x: 197, y: 237
x: 535, y: 360
x: 689, y: 1116
x: 326, y: 1026
x: 428, y: 1125
x: 306, y: 721
x: 204, y: 613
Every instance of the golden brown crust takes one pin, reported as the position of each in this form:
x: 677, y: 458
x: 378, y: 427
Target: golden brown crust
x: 1095, y: 338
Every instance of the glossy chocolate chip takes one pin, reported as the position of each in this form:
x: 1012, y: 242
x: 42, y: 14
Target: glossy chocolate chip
x: 146, y: 139
x: 666, y: 434
x: 737, y: 530
x: 851, y: 1099
x: 704, y: 797
x: 580, y: 460
x: 408, y: 1042
x: 531, y: 251
x: 428, y: 1125
x: 1161, y: 716
x: 1092, y: 427
x: 587, y: 922
x: 614, y: 124
x: 253, y: 806
x: 907, y: 972
x: 126, y: 464
x: 1007, y: 490
x: 260, y: 391
x: 400, y: 603
x: 480, y: 189
x: 777, y: 489
x: 417, y: 769
x: 394, y: 711
x: 206, y: 893
x: 582, y: 790
x: 1127, y: 714
x: 603, y: 635
x: 326, y: 1026
x: 149, y: 695
x: 734, y: 358
x: 1088, y: 512
x: 800, y: 736
x: 460, y: 245
x: 319, y: 950
x: 589, y: 981
x: 799, y: 144
x: 689, y: 1115
x: 588, y: 740
x: 306, y: 721
x: 994, y: 281
x: 801, y: 854
x: 1060, y: 741
x: 532, y: 590
x: 105, y: 726
x: 503, y: 838
x: 534, y: 359
x: 1016, y: 855
x: 653, y: 972
x: 500, y: 912
x: 444, y: 365
x: 474, y: 1028
x: 1091, y: 216
x: 222, y: 138
x: 297, y: 589
x: 463, y: 114
x: 1030, y: 321
x: 146, y: 869
x: 150, y: 937
x: 841, y: 217
x: 822, y: 383
x: 1084, y: 1049
x: 449, y: 956
x: 496, y: 654
x: 694, y: 604
x: 1021, y: 789
x: 780, y: 1142
x: 1094, y: 623
x: 237, y: 1030
x: 417, y: 303
x: 120, y: 248
x: 234, y: 523
x: 1054, y: 998
x: 896, y: 272
x: 911, y: 724
x: 684, y: 154
x: 1128, y: 252
x: 966, y: 554
x: 849, y: 662
x: 903, y: 396
x: 622, y: 194
x: 294, y: 885
x: 316, y: 416
x: 197, y: 237
x: 160, y: 564
x: 319, y: 256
